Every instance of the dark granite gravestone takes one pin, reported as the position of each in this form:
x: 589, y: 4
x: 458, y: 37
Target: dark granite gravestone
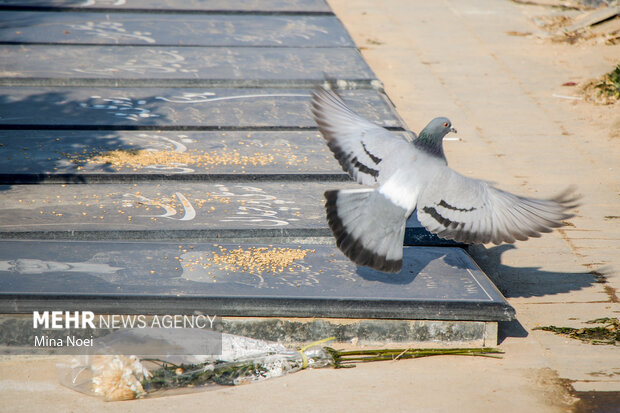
x: 159, y: 29
x: 121, y: 156
x: 194, y: 6
x: 181, y: 66
x: 174, y: 210
x: 151, y: 278
x: 183, y: 148
x: 199, y: 108
x: 65, y: 156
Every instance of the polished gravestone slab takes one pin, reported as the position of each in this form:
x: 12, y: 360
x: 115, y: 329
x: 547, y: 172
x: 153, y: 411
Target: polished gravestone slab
x: 239, y: 6
x: 435, y: 283
x: 162, y: 29
x: 187, y: 246
x: 121, y: 156
x: 181, y: 66
x: 159, y: 246
x: 65, y: 156
x: 198, y: 108
x: 175, y: 210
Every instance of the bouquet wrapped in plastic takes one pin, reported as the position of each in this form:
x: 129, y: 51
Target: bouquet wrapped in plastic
x: 115, y: 374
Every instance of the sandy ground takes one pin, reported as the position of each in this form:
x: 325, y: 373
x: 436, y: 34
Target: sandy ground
x: 454, y: 58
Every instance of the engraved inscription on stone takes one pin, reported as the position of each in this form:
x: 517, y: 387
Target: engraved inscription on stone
x: 173, y: 29
x: 154, y: 206
x: 196, y: 108
x: 300, y: 6
x: 88, y: 65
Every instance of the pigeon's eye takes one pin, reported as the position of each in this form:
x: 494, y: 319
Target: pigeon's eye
x: 445, y: 125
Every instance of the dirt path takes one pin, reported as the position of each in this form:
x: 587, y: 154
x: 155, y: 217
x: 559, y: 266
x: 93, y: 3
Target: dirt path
x: 520, y: 128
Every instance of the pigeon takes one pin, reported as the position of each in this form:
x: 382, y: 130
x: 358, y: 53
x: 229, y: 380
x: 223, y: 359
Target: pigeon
x: 401, y: 176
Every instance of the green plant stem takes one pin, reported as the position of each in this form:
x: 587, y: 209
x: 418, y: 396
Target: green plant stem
x: 418, y: 351
x: 362, y: 356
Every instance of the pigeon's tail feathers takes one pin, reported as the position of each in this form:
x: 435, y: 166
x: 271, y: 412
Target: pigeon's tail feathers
x: 369, y: 229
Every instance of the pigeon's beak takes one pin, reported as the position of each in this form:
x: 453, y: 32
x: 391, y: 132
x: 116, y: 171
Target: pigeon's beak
x: 452, y: 130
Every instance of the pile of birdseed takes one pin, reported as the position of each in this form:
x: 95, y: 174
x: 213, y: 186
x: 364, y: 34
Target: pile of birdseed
x: 136, y: 158
x: 257, y: 260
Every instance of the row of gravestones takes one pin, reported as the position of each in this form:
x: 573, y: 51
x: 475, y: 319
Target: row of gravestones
x: 139, y: 139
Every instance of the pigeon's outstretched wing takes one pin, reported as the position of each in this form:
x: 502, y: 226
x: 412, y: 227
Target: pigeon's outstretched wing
x: 360, y: 146
x: 472, y: 211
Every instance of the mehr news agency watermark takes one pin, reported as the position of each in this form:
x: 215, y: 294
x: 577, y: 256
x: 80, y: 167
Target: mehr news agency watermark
x: 80, y: 320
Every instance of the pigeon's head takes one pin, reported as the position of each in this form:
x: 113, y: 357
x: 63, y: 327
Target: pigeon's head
x: 431, y: 137
x: 438, y: 128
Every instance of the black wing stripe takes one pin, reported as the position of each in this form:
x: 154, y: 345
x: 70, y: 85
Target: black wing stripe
x: 442, y: 220
x: 363, y: 168
x: 444, y: 204
x: 374, y: 158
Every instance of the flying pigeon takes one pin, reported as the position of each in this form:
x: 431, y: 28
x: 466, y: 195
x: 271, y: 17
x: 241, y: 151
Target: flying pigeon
x: 402, y: 176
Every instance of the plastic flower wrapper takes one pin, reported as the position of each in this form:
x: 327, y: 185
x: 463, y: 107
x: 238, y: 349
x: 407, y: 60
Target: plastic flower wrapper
x: 115, y: 370
x: 168, y: 361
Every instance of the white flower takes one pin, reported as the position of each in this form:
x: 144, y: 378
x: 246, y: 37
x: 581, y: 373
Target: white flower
x: 118, y: 377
